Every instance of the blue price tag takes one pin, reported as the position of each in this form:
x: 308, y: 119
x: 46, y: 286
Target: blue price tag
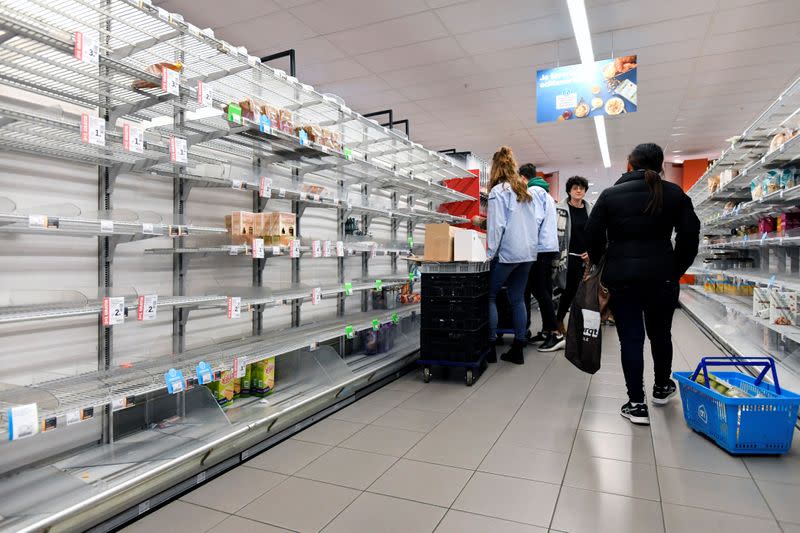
x: 174, y: 379
x: 745, y: 238
x: 265, y: 124
x: 763, y: 237
x: 771, y: 281
x: 303, y: 138
x: 204, y: 373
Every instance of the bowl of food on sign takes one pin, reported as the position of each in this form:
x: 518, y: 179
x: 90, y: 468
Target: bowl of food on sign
x: 597, y: 103
x: 582, y: 109
x: 621, y: 65
x: 615, y: 106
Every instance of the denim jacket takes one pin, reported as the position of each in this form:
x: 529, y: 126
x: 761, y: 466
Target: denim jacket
x: 512, y: 226
x: 548, y: 231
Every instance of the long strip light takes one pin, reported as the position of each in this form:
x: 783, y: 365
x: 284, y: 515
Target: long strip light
x: 580, y: 26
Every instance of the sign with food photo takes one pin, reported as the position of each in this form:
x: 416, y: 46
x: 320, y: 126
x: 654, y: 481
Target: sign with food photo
x: 608, y: 88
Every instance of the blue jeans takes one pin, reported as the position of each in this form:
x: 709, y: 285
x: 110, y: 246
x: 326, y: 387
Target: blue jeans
x: 514, y: 276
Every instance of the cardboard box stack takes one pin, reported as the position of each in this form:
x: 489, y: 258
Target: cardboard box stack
x: 274, y: 228
x: 445, y: 243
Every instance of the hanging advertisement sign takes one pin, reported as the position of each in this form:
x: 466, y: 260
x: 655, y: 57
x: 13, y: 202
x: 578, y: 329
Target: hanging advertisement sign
x: 608, y: 88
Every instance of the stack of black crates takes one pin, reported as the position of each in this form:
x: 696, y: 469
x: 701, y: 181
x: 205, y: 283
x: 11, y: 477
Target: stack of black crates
x: 455, y: 316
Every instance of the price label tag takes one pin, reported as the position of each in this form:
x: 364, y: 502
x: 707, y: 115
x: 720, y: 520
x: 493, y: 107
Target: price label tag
x: 73, y: 417
x: 37, y: 221
x: 281, y: 193
x: 265, y: 124
x: 745, y: 238
x: 147, y: 308
x: 234, y: 113
x: 410, y: 276
x: 234, y: 307
x: 93, y: 130
x: 178, y: 150
x: 119, y: 404
x: 411, y: 242
x: 204, y: 373
x: 378, y: 284
x: 763, y: 237
x: 239, y: 367
x: 148, y: 229
x: 237, y: 184
x: 315, y: 197
x: 395, y: 318
x: 113, y: 311
x: 205, y: 95
x: 771, y: 281
x: 348, y: 289
x: 258, y: 248
x: 327, y: 249
x: 373, y: 251
x: 303, y: 138
x: 316, y: 295
x: 339, y: 249
x: 316, y: 248
x: 170, y: 81
x: 23, y: 421
x: 106, y: 226
x: 87, y: 48
x: 375, y: 324
x: 294, y: 248
x: 349, y: 332
x: 265, y: 187
x: 132, y: 139
x: 174, y: 381
x: 276, y: 250
x: 348, y: 153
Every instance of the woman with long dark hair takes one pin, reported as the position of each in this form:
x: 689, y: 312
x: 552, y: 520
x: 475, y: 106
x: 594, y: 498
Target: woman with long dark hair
x: 632, y: 224
x: 512, y: 235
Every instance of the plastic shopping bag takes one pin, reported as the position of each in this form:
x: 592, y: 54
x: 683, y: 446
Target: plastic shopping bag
x: 584, y: 338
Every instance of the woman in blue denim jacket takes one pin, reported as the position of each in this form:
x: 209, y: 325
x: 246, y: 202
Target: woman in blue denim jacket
x: 512, y: 234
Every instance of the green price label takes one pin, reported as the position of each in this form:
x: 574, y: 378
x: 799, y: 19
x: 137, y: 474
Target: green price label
x: 378, y: 284
x: 395, y: 318
x: 375, y: 324
x: 349, y: 332
x: 410, y: 276
x: 410, y: 242
x: 234, y: 113
x: 348, y: 289
x: 348, y: 153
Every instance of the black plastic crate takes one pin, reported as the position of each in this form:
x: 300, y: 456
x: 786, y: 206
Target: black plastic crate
x: 455, y: 285
x: 455, y: 313
x: 455, y: 346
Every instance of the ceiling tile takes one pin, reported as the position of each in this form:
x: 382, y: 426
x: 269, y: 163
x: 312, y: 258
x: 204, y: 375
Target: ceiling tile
x: 312, y: 51
x: 481, y: 14
x: 283, y: 29
x: 783, y: 34
x: 412, y: 55
x: 663, y: 32
x: 219, y: 14
x: 525, y: 33
x: 348, y: 88
x: 637, y: 13
x: 777, y: 12
x: 329, y: 16
x: 458, y: 68
x: 332, y: 71
x: 389, y: 34
x: 525, y: 56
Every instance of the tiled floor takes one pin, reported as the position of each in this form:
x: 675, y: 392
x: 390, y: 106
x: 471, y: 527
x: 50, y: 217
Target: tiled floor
x: 535, y: 448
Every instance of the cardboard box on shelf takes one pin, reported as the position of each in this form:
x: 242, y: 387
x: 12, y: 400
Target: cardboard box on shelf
x: 283, y: 228
x: 241, y: 226
x: 782, y: 307
x: 469, y: 245
x: 439, y: 242
x: 761, y: 302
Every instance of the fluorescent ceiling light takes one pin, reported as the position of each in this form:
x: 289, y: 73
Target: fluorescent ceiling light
x: 677, y: 151
x: 580, y: 26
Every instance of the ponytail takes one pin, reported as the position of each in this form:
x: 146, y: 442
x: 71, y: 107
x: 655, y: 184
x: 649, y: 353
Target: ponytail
x: 656, y: 184
x: 504, y: 170
x: 649, y: 157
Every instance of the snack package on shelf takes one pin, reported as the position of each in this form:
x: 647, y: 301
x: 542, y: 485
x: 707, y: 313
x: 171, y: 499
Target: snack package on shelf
x: 772, y: 181
x: 761, y: 302
x: 313, y: 131
x: 274, y: 115
x: 155, y: 70
x: 286, y: 121
x: 756, y: 190
x: 222, y: 390
x: 245, y: 390
x: 788, y: 221
x: 313, y: 189
x: 249, y: 109
x: 237, y: 387
x: 782, y: 307
x: 726, y: 176
x: 262, y: 381
x: 240, y: 224
x: 787, y: 178
x: 713, y: 184
x: 767, y: 225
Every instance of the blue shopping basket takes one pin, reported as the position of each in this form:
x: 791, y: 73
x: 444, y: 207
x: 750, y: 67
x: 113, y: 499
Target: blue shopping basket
x: 762, y: 425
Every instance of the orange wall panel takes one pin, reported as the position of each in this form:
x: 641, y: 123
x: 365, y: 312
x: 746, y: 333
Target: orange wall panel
x: 692, y: 170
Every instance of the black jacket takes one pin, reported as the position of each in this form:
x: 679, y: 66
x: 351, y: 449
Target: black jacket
x: 639, y: 245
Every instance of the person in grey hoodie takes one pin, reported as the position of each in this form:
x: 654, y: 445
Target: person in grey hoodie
x: 540, y: 279
x: 572, y: 214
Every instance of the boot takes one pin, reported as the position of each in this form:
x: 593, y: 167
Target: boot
x: 514, y: 355
x: 491, y: 357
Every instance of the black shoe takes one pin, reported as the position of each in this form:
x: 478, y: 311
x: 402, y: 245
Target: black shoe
x: 491, y: 357
x: 499, y: 341
x: 636, y: 413
x: 514, y: 355
x: 553, y: 342
x: 662, y: 394
x: 538, y: 338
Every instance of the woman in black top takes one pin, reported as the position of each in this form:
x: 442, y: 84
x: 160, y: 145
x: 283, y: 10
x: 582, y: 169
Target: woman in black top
x: 632, y: 224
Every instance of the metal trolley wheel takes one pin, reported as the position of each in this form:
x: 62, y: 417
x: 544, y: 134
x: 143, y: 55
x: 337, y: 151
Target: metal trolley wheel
x: 470, y: 377
x: 426, y: 374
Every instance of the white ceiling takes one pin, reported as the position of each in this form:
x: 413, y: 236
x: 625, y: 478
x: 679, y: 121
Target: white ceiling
x: 463, y: 72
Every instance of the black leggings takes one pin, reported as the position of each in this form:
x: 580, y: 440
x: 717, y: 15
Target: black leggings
x: 540, y: 286
x: 575, y: 269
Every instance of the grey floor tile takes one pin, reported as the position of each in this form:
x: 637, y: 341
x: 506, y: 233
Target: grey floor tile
x: 375, y: 512
x: 237, y: 524
x: 610, y: 391
x: 422, y: 482
x: 362, y: 411
x: 234, y: 489
x: 712, y: 491
x: 300, y: 504
x: 611, y: 423
x: 610, y: 378
x: 637, y: 480
x: 634, y: 448
x: 529, y: 463
x: 179, y: 517
x: 790, y: 528
x: 603, y: 404
x: 680, y: 519
x: 585, y: 511
x: 518, y: 500
x: 329, y: 431
x: 410, y: 419
x: 557, y: 438
x: 388, y: 441
x: 288, y: 457
x: 348, y: 468
x: 439, y: 397
x: 462, y: 448
x: 783, y: 468
x: 386, y: 396
x: 461, y: 522
x: 783, y: 499
x: 411, y: 382
x: 683, y: 448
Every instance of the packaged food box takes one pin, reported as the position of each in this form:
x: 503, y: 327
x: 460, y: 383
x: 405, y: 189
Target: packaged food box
x: 155, y: 70
x: 262, y: 227
x: 245, y: 386
x: 241, y: 226
x: 262, y: 379
x: 286, y: 121
x: 283, y: 228
x: 274, y: 115
x: 756, y: 190
x: 222, y: 390
x: 782, y: 307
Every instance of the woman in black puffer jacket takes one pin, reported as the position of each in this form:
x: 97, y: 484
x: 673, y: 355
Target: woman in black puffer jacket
x: 632, y: 224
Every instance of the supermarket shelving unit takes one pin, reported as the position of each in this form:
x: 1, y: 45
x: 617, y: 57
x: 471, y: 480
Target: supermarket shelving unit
x: 772, y: 259
x: 81, y: 90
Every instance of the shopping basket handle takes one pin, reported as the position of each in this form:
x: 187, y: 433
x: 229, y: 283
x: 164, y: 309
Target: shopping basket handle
x: 758, y: 361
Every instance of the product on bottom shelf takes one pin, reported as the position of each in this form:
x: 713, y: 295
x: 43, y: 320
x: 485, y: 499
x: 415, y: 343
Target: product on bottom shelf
x: 756, y: 191
x: 262, y: 380
x: 245, y: 390
x: 155, y: 70
x: 782, y: 307
x: 223, y: 389
x: 286, y: 122
x: 241, y: 226
x: 262, y: 226
x: 761, y: 303
x: 283, y: 228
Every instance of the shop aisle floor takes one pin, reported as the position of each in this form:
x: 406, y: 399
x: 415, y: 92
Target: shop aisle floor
x: 532, y: 448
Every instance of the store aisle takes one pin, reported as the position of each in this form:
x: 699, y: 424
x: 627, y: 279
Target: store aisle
x: 535, y: 448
